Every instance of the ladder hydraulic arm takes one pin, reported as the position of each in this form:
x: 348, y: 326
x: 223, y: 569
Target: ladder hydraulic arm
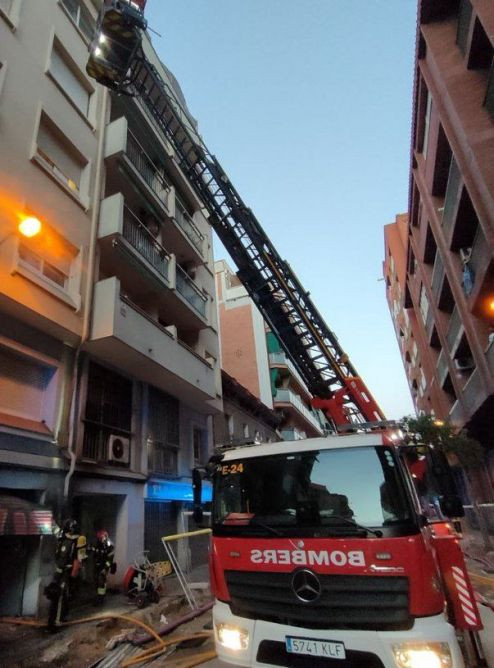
x: 117, y: 60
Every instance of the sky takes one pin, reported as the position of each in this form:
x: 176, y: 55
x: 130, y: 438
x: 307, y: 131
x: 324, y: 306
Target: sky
x: 307, y: 106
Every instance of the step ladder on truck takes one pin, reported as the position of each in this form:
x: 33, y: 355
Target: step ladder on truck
x: 335, y: 551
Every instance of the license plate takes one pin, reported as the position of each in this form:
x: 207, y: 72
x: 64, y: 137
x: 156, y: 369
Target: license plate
x: 315, y: 647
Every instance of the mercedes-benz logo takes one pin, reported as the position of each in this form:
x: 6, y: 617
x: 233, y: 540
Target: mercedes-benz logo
x: 306, y: 586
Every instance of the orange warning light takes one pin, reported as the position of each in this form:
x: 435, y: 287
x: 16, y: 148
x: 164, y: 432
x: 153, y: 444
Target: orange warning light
x: 29, y: 227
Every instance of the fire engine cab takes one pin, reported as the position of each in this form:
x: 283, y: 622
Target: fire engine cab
x: 329, y: 552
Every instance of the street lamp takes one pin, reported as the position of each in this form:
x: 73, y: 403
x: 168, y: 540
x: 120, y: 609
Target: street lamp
x: 29, y: 227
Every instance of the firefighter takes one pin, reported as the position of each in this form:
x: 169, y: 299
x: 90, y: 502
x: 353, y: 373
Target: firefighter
x: 69, y: 557
x: 103, y: 552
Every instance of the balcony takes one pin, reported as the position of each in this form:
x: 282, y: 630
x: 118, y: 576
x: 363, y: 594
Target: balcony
x: 437, y: 277
x: 281, y: 359
x: 481, y: 255
x: 287, y: 398
x: 454, y: 332
x: 442, y: 367
x: 451, y: 198
x: 123, y: 147
x: 293, y: 434
x: 125, y: 336
x: 144, y: 267
x: 126, y: 243
x: 188, y: 227
x: 191, y: 292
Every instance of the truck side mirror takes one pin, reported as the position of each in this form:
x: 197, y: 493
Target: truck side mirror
x: 197, y: 512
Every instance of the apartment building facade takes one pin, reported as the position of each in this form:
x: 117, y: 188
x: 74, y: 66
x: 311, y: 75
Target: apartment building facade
x: 448, y: 293
x: 109, y: 353
x: 252, y: 355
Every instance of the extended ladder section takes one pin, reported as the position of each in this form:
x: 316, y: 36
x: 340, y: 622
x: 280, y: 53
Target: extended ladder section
x: 285, y: 305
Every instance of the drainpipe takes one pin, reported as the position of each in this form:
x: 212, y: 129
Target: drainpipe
x: 86, y: 323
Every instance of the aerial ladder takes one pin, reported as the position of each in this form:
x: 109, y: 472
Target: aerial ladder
x: 117, y: 60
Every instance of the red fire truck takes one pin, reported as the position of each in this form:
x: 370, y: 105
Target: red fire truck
x: 334, y: 551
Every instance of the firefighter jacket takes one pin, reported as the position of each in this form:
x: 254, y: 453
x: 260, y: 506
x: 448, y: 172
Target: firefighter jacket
x: 104, y: 553
x: 70, y: 553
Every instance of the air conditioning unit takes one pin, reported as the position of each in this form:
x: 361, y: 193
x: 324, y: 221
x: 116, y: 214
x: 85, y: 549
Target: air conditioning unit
x: 118, y: 449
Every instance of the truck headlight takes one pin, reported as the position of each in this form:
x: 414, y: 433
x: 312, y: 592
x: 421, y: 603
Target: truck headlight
x: 232, y: 637
x: 422, y: 655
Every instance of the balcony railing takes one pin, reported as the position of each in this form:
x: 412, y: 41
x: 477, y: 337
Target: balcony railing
x: 437, y: 275
x: 146, y: 168
x: 137, y: 234
x: 454, y: 327
x: 290, y: 397
x: 442, y: 367
x: 480, y: 254
x: 163, y: 458
x: 281, y: 358
x: 189, y: 291
x: 454, y: 180
x: 187, y: 225
x: 293, y: 434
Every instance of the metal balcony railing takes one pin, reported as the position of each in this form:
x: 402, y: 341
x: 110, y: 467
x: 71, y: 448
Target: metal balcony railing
x: 189, y: 291
x: 281, y: 358
x: 454, y: 180
x: 293, y: 434
x: 150, y: 173
x: 187, y: 225
x: 137, y: 234
x: 163, y: 458
x: 290, y: 397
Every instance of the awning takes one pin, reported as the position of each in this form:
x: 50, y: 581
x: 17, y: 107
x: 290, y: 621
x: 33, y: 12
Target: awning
x: 19, y: 517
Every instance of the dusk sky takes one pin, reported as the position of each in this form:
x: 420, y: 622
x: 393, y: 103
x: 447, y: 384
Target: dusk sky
x: 307, y: 106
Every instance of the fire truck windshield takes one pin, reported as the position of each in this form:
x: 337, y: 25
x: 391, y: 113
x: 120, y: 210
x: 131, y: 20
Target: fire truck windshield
x: 326, y: 492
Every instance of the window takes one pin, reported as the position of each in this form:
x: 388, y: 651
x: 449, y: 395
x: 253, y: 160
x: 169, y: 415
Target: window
x: 310, y: 490
x: 60, y: 157
x: 80, y: 16
x: 163, y: 432
x: 246, y: 430
x: 27, y: 391
x: 53, y: 263
x: 43, y: 267
x: 108, y: 411
x: 71, y: 82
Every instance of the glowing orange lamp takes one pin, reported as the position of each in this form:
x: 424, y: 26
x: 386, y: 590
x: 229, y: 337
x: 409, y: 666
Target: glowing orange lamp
x: 29, y: 227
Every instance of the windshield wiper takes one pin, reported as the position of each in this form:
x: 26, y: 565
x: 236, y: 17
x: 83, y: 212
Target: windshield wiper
x: 255, y: 522
x: 352, y: 523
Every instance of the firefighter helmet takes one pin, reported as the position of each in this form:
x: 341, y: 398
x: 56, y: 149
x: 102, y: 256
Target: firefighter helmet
x: 102, y: 535
x: 70, y: 526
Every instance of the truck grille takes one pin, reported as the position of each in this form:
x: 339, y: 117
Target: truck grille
x: 346, y: 601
